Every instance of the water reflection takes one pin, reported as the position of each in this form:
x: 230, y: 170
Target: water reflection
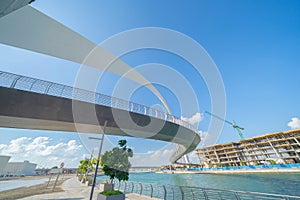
x: 283, y: 183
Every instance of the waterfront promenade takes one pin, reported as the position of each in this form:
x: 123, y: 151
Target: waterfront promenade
x: 74, y: 190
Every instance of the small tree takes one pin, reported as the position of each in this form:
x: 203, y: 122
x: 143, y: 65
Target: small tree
x: 85, y: 167
x: 115, y: 163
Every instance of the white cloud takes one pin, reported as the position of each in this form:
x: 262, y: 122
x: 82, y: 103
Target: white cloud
x: 294, y: 123
x: 38, y: 150
x: 153, y: 158
x: 159, y: 158
x: 203, y: 135
x: 193, y: 119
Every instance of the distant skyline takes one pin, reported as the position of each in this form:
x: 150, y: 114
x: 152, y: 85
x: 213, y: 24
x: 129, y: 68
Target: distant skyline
x: 254, y: 44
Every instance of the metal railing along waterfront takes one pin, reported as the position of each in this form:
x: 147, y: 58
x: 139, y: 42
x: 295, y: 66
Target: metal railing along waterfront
x: 254, y: 167
x: 24, y: 83
x: 175, y: 192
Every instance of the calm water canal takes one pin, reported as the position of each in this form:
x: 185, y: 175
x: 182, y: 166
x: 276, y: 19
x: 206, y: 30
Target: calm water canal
x: 13, y: 184
x: 283, y: 183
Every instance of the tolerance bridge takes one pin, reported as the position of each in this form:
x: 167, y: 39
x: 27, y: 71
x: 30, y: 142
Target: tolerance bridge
x: 37, y: 104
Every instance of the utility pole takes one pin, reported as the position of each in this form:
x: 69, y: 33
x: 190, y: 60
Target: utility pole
x: 99, y: 154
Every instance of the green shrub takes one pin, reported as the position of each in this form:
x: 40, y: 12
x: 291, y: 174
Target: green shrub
x: 90, y: 180
x: 111, y: 192
x: 272, y: 162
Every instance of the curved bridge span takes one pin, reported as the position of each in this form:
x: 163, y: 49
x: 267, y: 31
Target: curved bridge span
x: 36, y: 104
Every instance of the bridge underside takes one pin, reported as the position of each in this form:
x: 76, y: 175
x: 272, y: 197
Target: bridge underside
x: 22, y: 109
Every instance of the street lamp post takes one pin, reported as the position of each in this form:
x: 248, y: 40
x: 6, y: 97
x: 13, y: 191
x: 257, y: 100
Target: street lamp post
x: 99, y: 154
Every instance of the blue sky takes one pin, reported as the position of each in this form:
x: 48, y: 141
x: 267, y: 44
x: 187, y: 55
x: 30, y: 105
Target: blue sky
x: 255, y: 45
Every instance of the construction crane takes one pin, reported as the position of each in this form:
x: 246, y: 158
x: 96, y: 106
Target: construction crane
x: 233, y: 124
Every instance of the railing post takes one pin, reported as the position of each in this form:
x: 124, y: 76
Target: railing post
x: 141, y: 190
x: 62, y: 90
x: 125, y: 187
x: 237, y: 196
x: 145, y: 110
x: 193, y: 194
x: 220, y: 195
x: 205, y: 195
x: 173, y: 192
x: 13, y: 84
x: 47, y: 89
x: 32, y: 84
x: 165, y: 192
x: 132, y: 187
x: 131, y: 106
x: 151, y: 193
x: 182, y: 193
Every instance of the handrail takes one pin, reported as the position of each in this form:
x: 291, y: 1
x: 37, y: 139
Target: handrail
x: 25, y: 83
x: 252, y: 167
x: 188, y: 192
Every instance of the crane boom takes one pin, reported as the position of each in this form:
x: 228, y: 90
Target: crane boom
x: 233, y: 124
x: 216, y: 116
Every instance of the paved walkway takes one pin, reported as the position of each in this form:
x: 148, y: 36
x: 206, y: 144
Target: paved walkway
x: 74, y: 190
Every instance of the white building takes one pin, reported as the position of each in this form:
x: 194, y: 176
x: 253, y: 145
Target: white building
x: 3, y: 163
x: 20, y: 168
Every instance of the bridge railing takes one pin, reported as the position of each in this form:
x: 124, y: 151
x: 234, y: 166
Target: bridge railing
x: 24, y: 83
x: 175, y: 192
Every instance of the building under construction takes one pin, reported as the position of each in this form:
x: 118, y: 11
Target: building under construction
x: 274, y: 148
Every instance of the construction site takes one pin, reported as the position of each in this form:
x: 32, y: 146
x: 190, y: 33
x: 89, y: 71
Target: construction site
x: 273, y: 148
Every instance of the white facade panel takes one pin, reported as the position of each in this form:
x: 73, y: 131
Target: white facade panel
x: 3, y: 163
x: 20, y: 168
